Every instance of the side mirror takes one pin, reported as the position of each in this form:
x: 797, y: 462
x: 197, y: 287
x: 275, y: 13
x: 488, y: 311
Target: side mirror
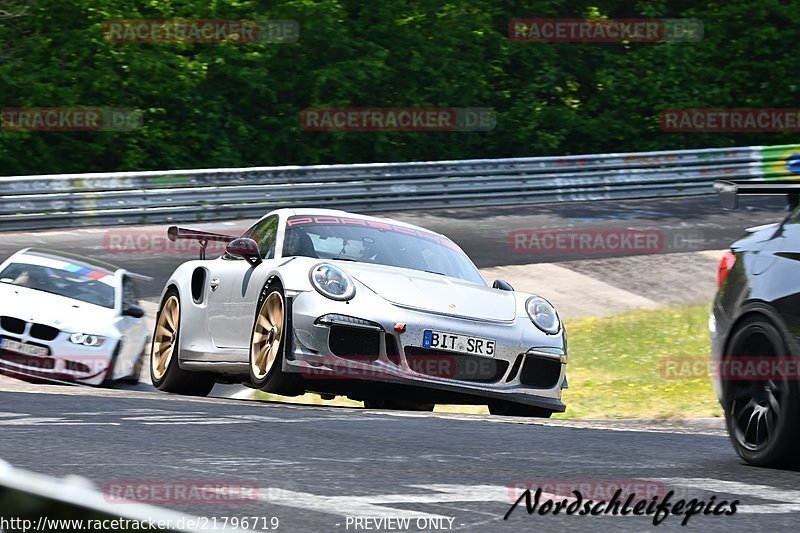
x: 245, y: 247
x: 502, y: 285
x: 133, y: 311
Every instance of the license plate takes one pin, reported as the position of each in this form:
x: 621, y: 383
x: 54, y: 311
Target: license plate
x: 23, y: 348
x: 452, y: 342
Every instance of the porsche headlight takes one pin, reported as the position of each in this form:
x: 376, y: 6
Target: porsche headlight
x: 332, y: 282
x: 543, y: 315
x: 86, y: 340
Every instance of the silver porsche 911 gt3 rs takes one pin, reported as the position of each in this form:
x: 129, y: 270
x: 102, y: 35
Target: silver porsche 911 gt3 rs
x: 396, y: 316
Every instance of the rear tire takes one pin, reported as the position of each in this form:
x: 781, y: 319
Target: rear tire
x: 165, y: 373
x: 505, y: 408
x: 761, y: 415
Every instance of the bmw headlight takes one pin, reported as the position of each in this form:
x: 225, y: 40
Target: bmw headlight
x: 543, y: 314
x: 332, y: 282
x: 86, y: 340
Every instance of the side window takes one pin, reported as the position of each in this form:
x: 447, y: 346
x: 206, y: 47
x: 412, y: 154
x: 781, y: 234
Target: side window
x: 265, y: 233
x: 129, y: 294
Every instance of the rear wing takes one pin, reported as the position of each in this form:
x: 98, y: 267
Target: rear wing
x: 729, y: 191
x: 202, y: 237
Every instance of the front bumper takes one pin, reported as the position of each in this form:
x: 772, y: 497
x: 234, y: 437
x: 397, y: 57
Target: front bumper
x: 718, y: 325
x: 65, y: 361
x: 355, y: 345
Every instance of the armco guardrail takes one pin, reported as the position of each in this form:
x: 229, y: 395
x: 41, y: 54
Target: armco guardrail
x: 30, y: 202
x: 34, y: 502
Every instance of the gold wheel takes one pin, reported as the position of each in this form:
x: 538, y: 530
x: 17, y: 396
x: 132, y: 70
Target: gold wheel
x: 267, y: 336
x: 165, y: 337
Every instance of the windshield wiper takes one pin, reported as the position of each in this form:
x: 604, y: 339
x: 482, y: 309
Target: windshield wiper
x: 433, y: 272
x: 345, y: 259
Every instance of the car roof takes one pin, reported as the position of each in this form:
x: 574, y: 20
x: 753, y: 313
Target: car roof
x: 41, y: 256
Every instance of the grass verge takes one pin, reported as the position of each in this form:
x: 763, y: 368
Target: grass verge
x: 616, y: 365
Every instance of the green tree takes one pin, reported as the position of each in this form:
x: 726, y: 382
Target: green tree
x: 238, y: 104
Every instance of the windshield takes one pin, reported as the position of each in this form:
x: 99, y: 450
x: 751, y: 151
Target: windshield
x: 367, y: 241
x: 84, y: 284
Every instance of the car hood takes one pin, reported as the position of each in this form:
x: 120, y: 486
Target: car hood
x: 54, y: 310
x: 434, y: 293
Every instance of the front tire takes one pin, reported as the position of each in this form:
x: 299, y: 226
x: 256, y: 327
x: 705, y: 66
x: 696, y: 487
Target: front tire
x: 268, y: 345
x: 165, y: 373
x: 133, y: 379
x: 505, y: 408
x: 761, y: 414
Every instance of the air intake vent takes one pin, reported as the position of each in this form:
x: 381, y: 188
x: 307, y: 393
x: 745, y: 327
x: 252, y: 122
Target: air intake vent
x: 12, y: 325
x: 515, y: 368
x: 451, y: 365
x: 354, y: 343
x: 391, y: 349
x: 45, y: 333
x: 74, y: 366
x: 540, y: 372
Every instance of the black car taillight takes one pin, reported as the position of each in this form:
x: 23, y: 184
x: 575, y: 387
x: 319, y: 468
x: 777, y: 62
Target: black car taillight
x: 725, y: 267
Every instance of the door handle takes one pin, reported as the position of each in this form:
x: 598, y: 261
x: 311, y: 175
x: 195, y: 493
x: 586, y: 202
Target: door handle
x: 214, y: 284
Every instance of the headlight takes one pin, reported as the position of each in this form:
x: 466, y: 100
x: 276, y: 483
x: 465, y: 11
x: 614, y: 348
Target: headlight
x: 332, y: 282
x: 543, y: 315
x: 86, y: 340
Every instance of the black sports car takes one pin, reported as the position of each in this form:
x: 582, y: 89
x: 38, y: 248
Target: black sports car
x: 755, y: 332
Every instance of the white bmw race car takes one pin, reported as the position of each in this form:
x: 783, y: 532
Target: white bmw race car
x: 324, y: 301
x: 342, y: 304
x: 66, y: 318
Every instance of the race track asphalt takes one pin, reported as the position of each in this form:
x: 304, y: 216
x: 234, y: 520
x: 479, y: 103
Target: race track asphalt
x: 317, y: 466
